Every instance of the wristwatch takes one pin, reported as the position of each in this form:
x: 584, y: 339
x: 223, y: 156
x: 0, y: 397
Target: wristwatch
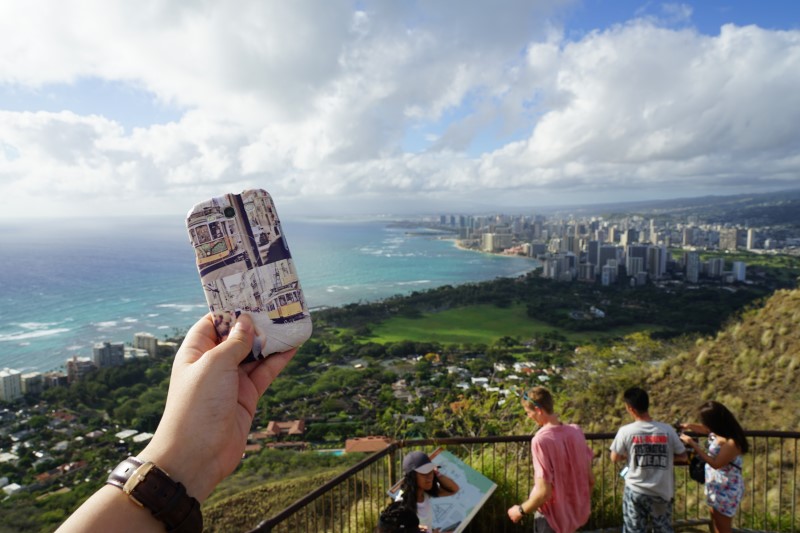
x: 149, y: 486
x: 521, y: 510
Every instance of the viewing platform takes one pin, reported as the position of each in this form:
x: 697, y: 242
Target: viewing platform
x: 353, y: 500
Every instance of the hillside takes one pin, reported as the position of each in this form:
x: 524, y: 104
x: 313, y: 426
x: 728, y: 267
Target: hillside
x: 244, y: 510
x: 752, y: 365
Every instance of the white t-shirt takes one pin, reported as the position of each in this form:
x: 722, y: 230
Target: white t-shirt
x: 650, y: 447
x: 424, y: 511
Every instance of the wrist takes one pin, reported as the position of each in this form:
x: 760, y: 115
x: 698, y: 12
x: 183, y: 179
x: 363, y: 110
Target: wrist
x: 521, y: 510
x: 175, y: 466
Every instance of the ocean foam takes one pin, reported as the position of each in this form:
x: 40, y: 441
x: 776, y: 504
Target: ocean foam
x: 183, y: 308
x: 20, y: 336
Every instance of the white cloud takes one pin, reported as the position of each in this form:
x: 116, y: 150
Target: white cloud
x: 313, y: 100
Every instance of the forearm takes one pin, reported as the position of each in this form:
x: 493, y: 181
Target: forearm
x: 723, y: 458
x: 618, y: 457
x: 539, y: 495
x: 447, y: 484
x: 110, y: 509
x: 700, y: 429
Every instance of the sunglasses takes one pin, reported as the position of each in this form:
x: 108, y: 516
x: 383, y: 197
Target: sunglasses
x: 528, y: 399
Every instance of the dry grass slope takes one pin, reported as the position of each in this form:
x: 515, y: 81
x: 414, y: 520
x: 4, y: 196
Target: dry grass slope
x: 245, y: 510
x: 752, y: 366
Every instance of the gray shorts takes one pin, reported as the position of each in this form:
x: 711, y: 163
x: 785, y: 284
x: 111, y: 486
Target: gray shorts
x: 540, y: 524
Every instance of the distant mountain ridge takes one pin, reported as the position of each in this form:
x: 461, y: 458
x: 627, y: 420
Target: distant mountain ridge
x: 733, y: 205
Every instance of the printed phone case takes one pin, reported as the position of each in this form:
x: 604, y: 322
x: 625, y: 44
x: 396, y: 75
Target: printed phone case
x: 245, y: 267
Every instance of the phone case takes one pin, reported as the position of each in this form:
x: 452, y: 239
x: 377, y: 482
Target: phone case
x: 245, y: 267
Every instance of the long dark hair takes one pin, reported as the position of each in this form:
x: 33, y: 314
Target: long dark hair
x: 410, y: 488
x: 720, y: 421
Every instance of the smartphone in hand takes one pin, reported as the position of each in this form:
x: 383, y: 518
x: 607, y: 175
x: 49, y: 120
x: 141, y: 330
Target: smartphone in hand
x: 246, y: 267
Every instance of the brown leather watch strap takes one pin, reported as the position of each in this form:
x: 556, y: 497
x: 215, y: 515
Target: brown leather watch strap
x: 151, y: 487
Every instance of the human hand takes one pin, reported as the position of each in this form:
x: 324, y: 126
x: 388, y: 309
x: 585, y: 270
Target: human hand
x: 687, y: 440
x: 514, y: 514
x: 210, y: 405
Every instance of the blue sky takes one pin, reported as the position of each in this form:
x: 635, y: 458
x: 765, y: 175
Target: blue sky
x: 384, y: 107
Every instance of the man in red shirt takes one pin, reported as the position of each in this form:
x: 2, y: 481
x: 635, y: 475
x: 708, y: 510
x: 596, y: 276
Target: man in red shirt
x: 560, y: 501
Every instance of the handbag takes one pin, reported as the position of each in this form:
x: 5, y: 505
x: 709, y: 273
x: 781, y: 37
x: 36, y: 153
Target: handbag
x: 697, y: 470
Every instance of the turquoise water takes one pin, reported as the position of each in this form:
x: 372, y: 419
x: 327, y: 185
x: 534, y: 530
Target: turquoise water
x: 68, y: 284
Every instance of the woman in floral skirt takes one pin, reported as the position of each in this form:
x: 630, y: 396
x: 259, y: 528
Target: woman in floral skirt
x: 724, y: 485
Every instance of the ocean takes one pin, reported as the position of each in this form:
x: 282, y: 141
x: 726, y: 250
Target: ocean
x: 71, y: 283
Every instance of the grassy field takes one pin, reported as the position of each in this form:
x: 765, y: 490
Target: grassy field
x: 481, y: 324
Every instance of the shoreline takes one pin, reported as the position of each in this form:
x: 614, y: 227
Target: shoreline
x: 458, y: 244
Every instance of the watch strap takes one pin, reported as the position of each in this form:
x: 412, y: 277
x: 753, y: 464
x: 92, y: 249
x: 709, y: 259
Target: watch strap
x: 150, y: 487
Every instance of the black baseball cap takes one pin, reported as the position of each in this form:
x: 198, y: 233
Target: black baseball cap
x: 418, y: 462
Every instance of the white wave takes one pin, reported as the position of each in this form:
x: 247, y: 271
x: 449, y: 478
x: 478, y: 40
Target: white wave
x: 107, y: 324
x: 36, y: 325
x: 152, y: 315
x: 74, y: 348
x: 24, y: 344
x: 20, y: 336
x: 130, y: 320
x: 416, y: 282
x: 334, y: 288
x: 183, y: 308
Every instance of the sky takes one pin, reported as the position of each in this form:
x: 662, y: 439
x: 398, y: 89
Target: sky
x: 111, y: 107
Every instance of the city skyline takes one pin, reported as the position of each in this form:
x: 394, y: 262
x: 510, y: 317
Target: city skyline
x: 109, y: 108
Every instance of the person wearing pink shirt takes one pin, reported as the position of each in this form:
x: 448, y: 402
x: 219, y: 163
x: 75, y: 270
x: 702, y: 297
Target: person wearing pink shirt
x: 560, y: 501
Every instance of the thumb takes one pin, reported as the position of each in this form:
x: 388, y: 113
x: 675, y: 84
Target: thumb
x: 239, y: 341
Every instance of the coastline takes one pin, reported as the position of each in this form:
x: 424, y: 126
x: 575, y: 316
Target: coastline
x: 460, y: 245
x: 341, y: 265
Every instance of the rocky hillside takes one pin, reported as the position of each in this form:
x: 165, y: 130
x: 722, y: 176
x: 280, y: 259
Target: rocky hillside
x: 752, y: 366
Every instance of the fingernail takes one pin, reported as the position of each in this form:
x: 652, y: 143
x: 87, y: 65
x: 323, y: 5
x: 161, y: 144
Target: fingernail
x: 244, y: 326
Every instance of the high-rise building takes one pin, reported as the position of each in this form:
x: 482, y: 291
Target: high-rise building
x: 634, y: 265
x: 751, y: 239
x: 10, y: 384
x: 78, y: 367
x: 692, y: 267
x: 106, y: 354
x: 592, y: 254
x: 586, y: 272
x: 146, y: 341
x: 687, y: 237
x: 608, y: 275
x: 656, y: 262
x: 608, y: 252
x: 715, y: 267
x: 739, y: 271
x: 729, y: 238
x: 496, y: 242
x: 628, y: 237
x: 32, y: 383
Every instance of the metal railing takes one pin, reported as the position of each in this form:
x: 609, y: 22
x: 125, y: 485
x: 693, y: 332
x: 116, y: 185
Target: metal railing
x: 352, y: 501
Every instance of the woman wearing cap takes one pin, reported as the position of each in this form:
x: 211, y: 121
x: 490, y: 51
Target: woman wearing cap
x: 422, y: 482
